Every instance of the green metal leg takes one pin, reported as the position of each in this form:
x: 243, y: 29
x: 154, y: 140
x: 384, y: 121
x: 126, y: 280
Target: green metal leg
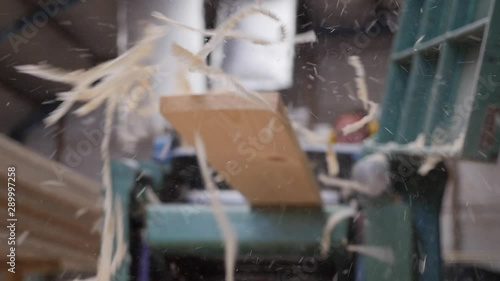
x: 423, y: 194
x: 126, y: 175
x: 124, y: 180
x: 388, y: 225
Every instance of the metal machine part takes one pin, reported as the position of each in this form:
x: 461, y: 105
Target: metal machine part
x: 183, y: 242
x: 442, y: 95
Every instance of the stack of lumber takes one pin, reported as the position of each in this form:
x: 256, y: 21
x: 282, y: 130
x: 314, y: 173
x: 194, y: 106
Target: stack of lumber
x: 56, y: 209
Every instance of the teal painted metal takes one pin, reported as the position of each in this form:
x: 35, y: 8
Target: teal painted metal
x: 125, y: 175
x: 443, y: 81
x: 406, y: 221
x: 192, y: 230
x: 124, y: 181
x: 389, y: 226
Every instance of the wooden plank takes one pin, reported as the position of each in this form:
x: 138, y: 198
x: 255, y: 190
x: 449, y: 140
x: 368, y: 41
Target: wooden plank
x: 36, y: 265
x: 55, y: 205
x: 41, y: 209
x: 34, y: 170
x: 18, y: 276
x: 45, y: 230
x: 250, y: 144
x: 40, y: 249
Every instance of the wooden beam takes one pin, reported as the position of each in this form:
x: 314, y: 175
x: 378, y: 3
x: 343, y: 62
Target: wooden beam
x: 39, y: 249
x: 36, y: 265
x: 18, y: 276
x: 84, y: 242
x: 251, y: 145
x: 55, y: 205
x: 74, y: 223
x: 34, y: 170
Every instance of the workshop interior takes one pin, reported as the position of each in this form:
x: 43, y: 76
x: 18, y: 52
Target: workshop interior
x: 250, y: 140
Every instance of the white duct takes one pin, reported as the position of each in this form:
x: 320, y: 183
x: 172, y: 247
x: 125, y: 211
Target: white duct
x: 259, y: 68
x: 134, y: 126
x: 189, y: 12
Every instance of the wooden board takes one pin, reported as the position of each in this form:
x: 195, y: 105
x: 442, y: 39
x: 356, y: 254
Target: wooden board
x: 56, y: 208
x: 251, y: 145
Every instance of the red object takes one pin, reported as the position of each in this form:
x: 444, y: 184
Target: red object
x: 346, y: 119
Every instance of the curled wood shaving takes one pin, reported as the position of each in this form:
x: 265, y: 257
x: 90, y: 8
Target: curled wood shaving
x: 198, y: 62
x: 108, y: 83
x: 362, y: 94
x: 228, y: 25
x: 330, y: 155
x: 195, y: 63
x: 223, y: 222
x: 431, y: 161
x: 230, y: 34
x: 330, y: 225
x: 111, y: 76
x: 351, y: 128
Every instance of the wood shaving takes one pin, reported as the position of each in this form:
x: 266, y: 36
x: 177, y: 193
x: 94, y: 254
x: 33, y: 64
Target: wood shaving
x: 121, y: 250
x: 348, y: 185
x: 223, y: 222
x: 108, y: 73
x: 97, y: 226
x: 53, y: 183
x: 330, y: 225
x: 196, y: 64
x: 111, y: 84
x: 151, y: 196
x: 20, y: 240
x: 429, y: 164
x: 360, y: 79
x: 330, y: 154
x: 116, y: 79
x: 229, y: 34
x: 362, y: 95
x: 228, y: 25
x: 332, y: 162
x: 81, y: 212
x: 306, y: 37
x: 383, y: 254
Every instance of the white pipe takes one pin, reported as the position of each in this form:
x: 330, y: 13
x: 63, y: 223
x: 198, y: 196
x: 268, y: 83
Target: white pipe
x: 259, y: 68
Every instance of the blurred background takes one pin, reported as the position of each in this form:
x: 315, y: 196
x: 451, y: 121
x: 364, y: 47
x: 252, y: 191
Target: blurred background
x: 75, y: 34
